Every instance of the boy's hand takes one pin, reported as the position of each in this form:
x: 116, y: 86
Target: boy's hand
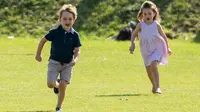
x: 38, y: 58
x: 132, y: 48
x: 73, y: 62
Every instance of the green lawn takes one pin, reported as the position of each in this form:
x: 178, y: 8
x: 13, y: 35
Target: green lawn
x: 106, y: 79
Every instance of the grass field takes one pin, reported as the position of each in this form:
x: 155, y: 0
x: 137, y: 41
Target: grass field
x: 106, y: 79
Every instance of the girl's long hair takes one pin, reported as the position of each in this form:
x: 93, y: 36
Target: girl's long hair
x: 151, y: 5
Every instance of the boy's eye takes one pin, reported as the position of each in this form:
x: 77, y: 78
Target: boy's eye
x: 149, y: 13
x: 65, y: 19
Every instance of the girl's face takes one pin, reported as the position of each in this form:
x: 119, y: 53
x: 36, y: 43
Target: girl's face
x: 148, y: 15
x: 67, y: 20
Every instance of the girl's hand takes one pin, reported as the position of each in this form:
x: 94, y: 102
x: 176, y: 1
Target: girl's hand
x: 38, y: 58
x: 169, y: 51
x: 132, y: 48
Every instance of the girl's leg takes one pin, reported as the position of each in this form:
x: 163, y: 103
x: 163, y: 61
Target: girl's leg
x: 151, y: 77
x: 156, y: 76
x: 61, y: 95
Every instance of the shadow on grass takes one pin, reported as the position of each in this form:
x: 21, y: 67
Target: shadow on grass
x: 119, y: 95
x: 34, y: 111
x: 27, y: 54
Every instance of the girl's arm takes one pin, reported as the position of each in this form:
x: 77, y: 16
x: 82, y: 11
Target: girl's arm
x: 162, y: 33
x: 134, y: 34
x: 39, y: 49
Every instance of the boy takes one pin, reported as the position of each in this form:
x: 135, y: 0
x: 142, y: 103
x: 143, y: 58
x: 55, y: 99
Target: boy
x: 64, y: 53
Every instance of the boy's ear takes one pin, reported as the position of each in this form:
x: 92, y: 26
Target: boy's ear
x: 59, y: 19
x: 75, y: 21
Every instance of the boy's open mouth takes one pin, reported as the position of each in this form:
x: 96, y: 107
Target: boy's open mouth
x: 67, y: 25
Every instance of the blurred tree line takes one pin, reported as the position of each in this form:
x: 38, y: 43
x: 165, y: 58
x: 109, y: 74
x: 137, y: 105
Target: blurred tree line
x: 96, y: 18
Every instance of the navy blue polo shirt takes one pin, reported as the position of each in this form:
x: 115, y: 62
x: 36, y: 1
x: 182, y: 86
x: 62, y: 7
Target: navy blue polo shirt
x: 62, y: 44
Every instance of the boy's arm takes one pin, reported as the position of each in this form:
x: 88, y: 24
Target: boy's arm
x: 39, y: 49
x: 76, y: 55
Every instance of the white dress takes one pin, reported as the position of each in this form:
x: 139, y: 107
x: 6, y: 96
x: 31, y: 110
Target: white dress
x: 152, y: 44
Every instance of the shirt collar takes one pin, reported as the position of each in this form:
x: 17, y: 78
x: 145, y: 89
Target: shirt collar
x: 62, y: 29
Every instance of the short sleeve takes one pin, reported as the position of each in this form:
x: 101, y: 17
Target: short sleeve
x: 49, y: 35
x: 78, y: 42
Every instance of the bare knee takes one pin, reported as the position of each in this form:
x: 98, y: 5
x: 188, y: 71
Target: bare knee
x: 63, y: 85
x: 51, y: 83
x: 154, y: 65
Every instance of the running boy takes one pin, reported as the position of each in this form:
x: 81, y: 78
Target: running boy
x: 64, y: 53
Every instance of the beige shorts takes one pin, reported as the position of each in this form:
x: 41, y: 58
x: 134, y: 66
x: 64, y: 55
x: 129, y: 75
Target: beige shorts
x: 55, y: 68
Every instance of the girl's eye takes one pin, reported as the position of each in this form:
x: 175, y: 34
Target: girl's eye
x: 145, y: 14
x: 149, y: 13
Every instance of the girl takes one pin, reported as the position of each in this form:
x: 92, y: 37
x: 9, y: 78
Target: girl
x: 153, y: 42
x: 64, y: 54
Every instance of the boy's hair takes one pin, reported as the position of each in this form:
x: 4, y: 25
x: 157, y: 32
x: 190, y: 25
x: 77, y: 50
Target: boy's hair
x: 151, y: 5
x: 69, y: 8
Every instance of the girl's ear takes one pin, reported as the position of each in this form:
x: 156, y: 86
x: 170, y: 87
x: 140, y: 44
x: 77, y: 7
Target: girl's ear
x: 154, y: 14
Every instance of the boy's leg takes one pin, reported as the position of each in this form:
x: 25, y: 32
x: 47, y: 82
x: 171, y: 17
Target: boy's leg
x: 61, y: 95
x: 65, y: 77
x: 56, y: 88
x: 156, y: 76
x: 151, y: 77
x: 52, y: 83
x: 52, y: 74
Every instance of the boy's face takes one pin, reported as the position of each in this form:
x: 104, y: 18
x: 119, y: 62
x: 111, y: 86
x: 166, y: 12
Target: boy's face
x: 148, y: 15
x: 67, y: 20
